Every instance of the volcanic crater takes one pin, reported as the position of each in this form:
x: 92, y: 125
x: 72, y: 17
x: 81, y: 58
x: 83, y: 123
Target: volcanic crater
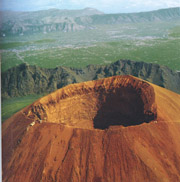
x: 95, y: 131
x: 121, y: 101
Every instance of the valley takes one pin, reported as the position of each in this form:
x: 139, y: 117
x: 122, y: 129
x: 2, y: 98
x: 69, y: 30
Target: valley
x: 152, y: 41
x: 90, y: 96
x: 155, y: 41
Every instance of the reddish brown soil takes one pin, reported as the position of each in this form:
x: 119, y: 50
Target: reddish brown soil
x: 119, y: 129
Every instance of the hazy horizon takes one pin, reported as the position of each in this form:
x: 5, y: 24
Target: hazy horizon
x: 2, y: 10
x: 105, y: 6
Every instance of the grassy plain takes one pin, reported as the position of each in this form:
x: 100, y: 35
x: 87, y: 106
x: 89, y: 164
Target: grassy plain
x: 149, y: 42
x: 161, y: 51
x: 13, y: 105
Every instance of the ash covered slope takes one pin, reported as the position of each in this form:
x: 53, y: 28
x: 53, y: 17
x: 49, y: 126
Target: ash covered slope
x: 71, y: 134
x: 25, y: 79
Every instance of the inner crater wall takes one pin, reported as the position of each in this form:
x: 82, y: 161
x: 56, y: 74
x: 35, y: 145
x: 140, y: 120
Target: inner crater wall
x: 120, y: 100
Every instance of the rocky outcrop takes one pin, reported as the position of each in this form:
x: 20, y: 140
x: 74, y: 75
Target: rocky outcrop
x: 25, y: 79
x: 18, y: 23
x: 21, y: 28
x: 115, y: 129
x: 44, y: 21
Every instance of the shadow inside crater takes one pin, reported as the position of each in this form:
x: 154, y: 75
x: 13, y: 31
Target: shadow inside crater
x: 123, y: 106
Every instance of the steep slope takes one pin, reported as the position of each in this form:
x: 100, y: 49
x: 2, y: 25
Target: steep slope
x: 17, y: 23
x: 152, y: 16
x: 42, y: 21
x: 115, y: 129
x: 25, y: 79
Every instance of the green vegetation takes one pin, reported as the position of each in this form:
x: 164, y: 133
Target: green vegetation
x: 162, y: 51
x: 44, y: 41
x: 9, y: 60
x: 13, y: 105
x: 175, y: 32
x: 11, y: 45
x: 155, y: 42
x: 150, y: 42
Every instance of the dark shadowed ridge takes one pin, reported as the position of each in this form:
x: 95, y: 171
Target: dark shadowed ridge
x: 26, y: 79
